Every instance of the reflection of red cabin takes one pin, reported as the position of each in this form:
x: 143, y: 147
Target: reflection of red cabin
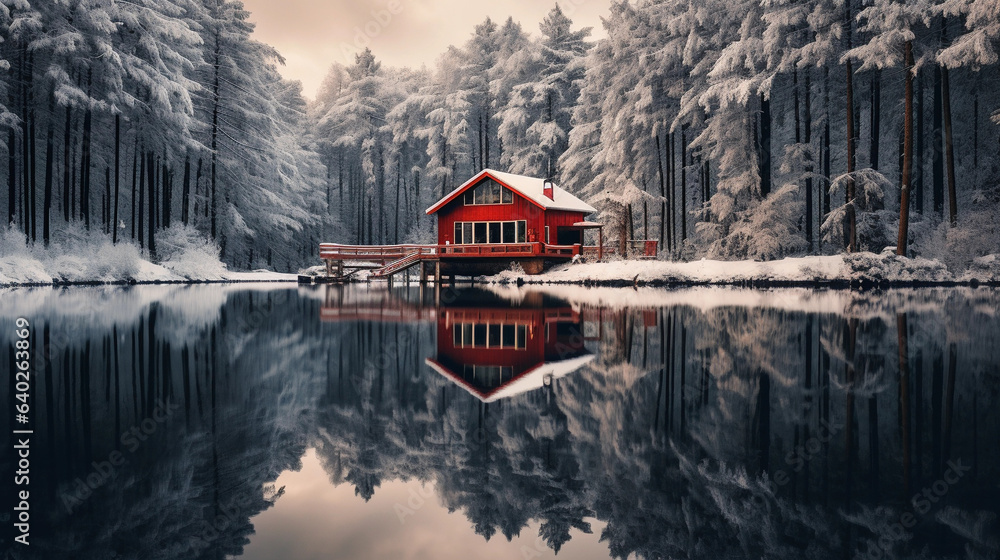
x: 496, y: 208
x: 495, y: 353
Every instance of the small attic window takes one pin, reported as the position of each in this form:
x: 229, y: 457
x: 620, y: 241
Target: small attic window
x: 488, y: 192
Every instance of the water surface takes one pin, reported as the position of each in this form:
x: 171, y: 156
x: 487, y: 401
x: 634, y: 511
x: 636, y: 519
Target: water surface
x: 233, y: 421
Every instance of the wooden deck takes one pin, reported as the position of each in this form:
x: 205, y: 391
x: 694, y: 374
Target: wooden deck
x: 388, y: 260
x: 393, y: 259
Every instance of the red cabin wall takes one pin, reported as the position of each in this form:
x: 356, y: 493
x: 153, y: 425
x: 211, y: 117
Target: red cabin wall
x: 521, y: 209
x: 457, y: 211
x: 520, y: 359
x: 561, y: 218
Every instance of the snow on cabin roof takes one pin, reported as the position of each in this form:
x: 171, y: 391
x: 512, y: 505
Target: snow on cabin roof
x: 530, y: 380
x: 528, y: 187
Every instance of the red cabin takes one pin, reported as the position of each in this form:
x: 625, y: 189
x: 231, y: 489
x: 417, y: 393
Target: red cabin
x: 498, y: 352
x: 493, y: 220
x: 496, y: 208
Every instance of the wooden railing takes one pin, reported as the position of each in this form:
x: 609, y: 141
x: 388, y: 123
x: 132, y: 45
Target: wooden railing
x: 636, y: 249
x: 385, y: 314
x: 395, y: 258
x: 376, y: 253
x: 387, y: 253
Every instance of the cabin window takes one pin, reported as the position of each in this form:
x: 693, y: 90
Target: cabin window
x: 490, y: 335
x: 547, y: 234
x: 490, y: 232
x: 508, y: 334
x: 488, y: 192
x: 509, y: 232
x: 494, y: 338
x: 489, y: 376
x: 480, y: 229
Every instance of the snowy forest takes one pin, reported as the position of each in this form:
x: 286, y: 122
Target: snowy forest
x: 751, y: 130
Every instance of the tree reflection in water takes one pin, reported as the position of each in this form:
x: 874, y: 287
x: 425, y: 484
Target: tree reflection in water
x: 698, y: 423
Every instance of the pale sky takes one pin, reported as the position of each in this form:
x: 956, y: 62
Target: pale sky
x: 313, y: 34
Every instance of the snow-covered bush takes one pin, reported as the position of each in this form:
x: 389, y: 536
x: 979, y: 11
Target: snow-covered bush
x: 894, y: 268
x: 767, y: 230
x: 985, y: 269
x: 186, y: 252
x: 12, y: 241
x: 876, y: 227
x: 75, y: 254
x: 977, y: 235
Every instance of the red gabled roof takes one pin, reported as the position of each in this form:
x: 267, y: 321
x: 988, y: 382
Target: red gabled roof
x: 529, y: 188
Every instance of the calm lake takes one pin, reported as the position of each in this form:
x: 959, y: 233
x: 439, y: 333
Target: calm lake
x: 271, y: 421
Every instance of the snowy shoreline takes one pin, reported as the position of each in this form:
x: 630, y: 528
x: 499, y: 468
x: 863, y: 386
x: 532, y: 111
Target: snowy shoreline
x: 236, y: 278
x: 836, y: 271
x: 860, y: 270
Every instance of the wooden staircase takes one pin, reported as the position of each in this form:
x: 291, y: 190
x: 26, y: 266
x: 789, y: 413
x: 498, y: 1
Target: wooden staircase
x: 399, y: 265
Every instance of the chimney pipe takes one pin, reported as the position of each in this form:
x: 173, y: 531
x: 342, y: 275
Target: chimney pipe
x: 547, y: 189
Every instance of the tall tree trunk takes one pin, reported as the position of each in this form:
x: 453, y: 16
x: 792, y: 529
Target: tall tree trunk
x: 118, y: 174
x: 949, y: 152
x: 151, y: 196
x: 186, y: 189
x: 135, y: 167
x: 852, y: 227
x: 827, y: 167
x: 32, y: 187
x: 663, y: 191
x: 975, y: 132
x: 11, y: 177
x: 106, y: 201
x: 25, y: 146
x: 49, y: 156
x: 215, y: 137
x: 904, y: 205
x: 67, y: 137
x: 807, y: 129
x: 73, y: 187
x: 874, y: 119
x: 645, y: 220
x: 399, y: 188
x: 197, y: 188
x: 683, y: 154
x: 672, y: 194
x: 85, y: 168
x: 168, y: 187
x: 918, y: 155
x: 11, y: 166
x: 142, y: 196
x: 937, y: 151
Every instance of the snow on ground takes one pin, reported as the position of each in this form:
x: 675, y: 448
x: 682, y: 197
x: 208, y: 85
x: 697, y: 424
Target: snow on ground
x: 21, y: 270
x: 861, y: 304
x: 867, y: 267
x: 78, y: 257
